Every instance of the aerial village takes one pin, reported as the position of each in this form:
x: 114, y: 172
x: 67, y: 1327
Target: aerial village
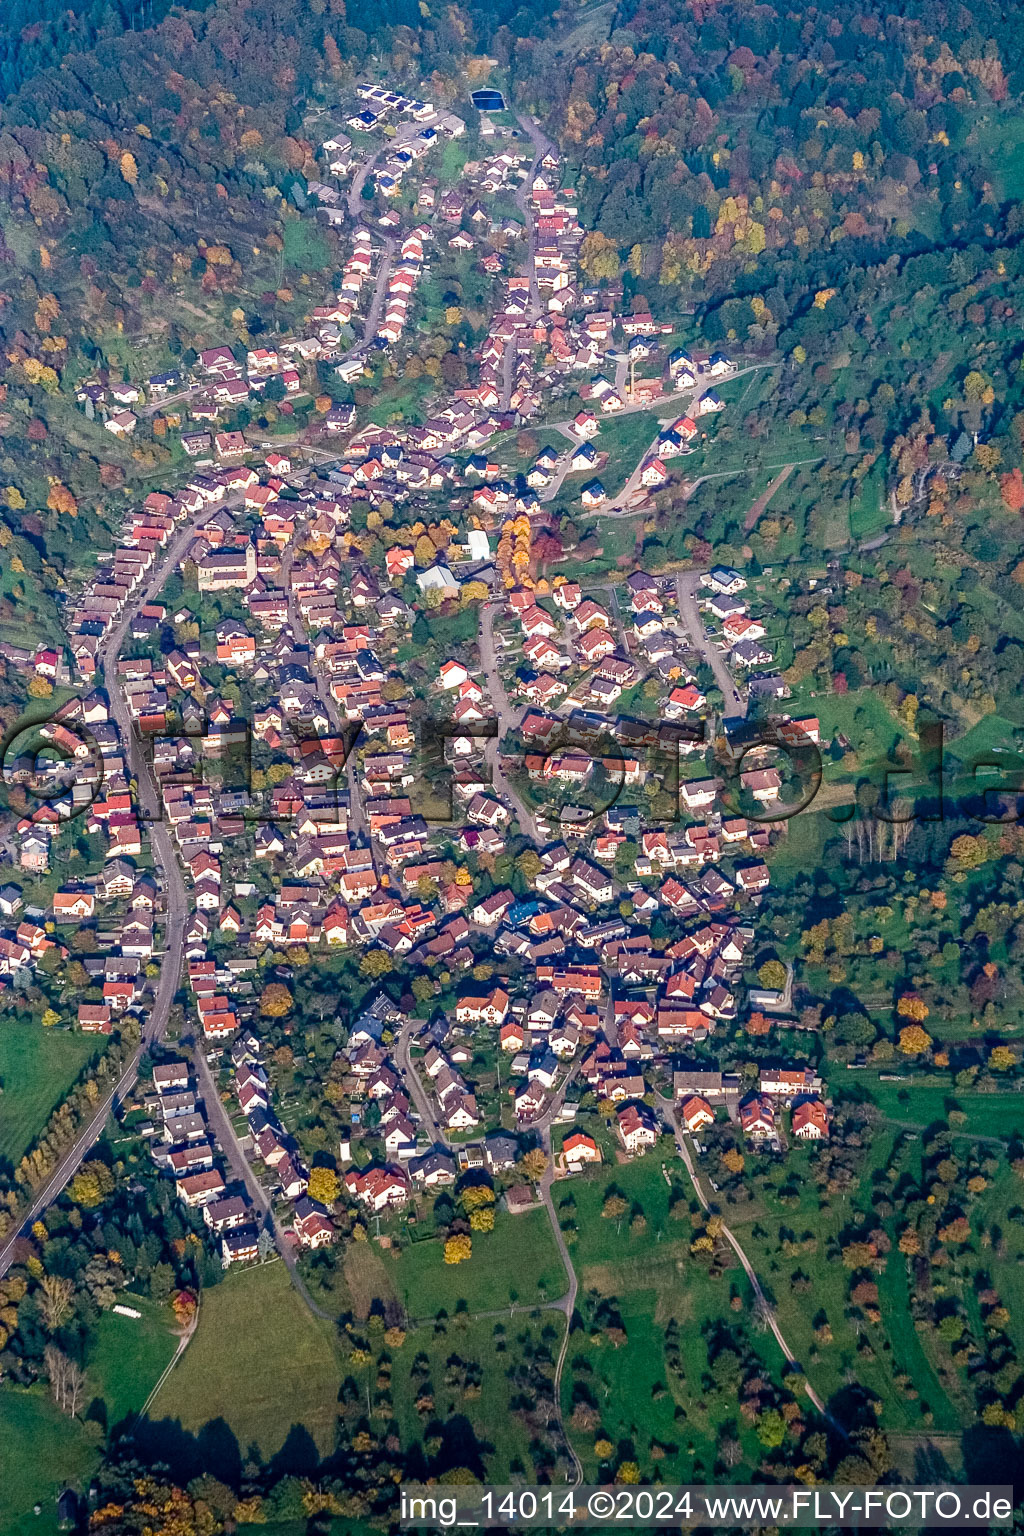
x: 338, y: 709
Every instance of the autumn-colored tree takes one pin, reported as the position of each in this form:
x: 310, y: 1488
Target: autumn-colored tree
x: 47, y: 310
x: 60, y: 499
x: 772, y: 974
x: 38, y: 373
x: 482, y: 1220
x: 1011, y: 488
x: 1002, y: 1058
x: 184, y: 1306
x: 956, y: 1231
x: 275, y: 1000
x: 475, y: 1196
x: 129, y: 168
x: 857, y: 1254
x: 968, y: 851
x: 458, y: 1248
x: 324, y: 1185
x: 54, y: 1298
x: 914, y: 1040
x: 91, y: 1184
x: 912, y: 1007
x: 599, y: 257
x: 375, y: 963
x: 533, y: 1164
x: 733, y: 1160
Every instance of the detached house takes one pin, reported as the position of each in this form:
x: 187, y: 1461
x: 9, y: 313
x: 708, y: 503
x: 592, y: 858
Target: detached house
x: 637, y: 1128
x: 579, y: 1150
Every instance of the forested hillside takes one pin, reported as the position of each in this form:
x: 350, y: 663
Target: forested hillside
x: 797, y: 178
x: 144, y: 183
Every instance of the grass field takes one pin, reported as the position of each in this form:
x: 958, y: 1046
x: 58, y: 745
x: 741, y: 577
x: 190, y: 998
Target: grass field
x: 1002, y: 137
x: 128, y: 1357
x: 624, y: 439
x: 305, y: 246
x: 37, y: 1067
x: 518, y: 1261
x: 602, y: 1241
x: 41, y: 1452
x: 259, y: 1360
x: 921, y: 1104
x: 496, y: 1347
x: 640, y: 1408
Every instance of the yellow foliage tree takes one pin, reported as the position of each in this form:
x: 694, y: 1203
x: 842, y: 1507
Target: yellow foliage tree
x: 47, y: 310
x: 60, y: 499
x: 129, y: 168
x: 599, y: 257
x: 459, y: 1248
x: 38, y: 373
x: 324, y: 1186
x: 914, y: 1040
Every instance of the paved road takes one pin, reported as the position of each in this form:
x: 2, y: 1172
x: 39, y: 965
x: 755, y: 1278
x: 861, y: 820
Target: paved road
x: 506, y: 716
x: 178, y: 902
x: 357, y: 817
x: 358, y: 209
x: 379, y: 291
x: 177, y: 909
x: 687, y: 585
x: 566, y: 1304
x: 412, y: 1080
x: 542, y: 145
x: 219, y: 1121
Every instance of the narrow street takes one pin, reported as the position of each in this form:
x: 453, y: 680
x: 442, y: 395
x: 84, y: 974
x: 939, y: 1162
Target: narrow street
x: 357, y: 817
x: 542, y: 146
x: 687, y: 586
x: 406, y: 132
x: 219, y: 1121
x: 177, y: 913
x: 506, y: 717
